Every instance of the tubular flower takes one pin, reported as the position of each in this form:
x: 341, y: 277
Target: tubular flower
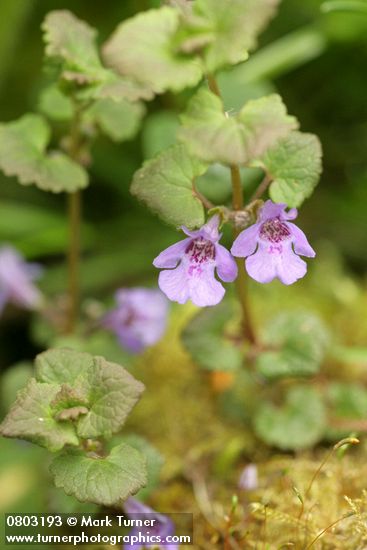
x: 16, y: 280
x: 163, y: 526
x: 140, y: 318
x: 189, y: 267
x: 272, y: 246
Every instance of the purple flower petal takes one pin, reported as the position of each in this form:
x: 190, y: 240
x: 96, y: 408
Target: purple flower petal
x: 275, y: 210
x: 140, y: 318
x: 173, y: 282
x: 208, y: 231
x: 16, y: 278
x: 246, y: 242
x: 290, y: 267
x: 249, y: 478
x: 226, y: 265
x: 204, y: 289
x: 194, y: 277
x: 163, y: 525
x: 270, y: 210
x: 172, y: 255
x: 300, y: 242
x: 271, y: 261
x: 261, y: 265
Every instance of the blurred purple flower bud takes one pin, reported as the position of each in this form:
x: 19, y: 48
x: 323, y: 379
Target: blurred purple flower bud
x: 163, y: 526
x: 16, y: 280
x: 272, y: 246
x: 248, y: 478
x: 140, y: 318
x: 189, y: 267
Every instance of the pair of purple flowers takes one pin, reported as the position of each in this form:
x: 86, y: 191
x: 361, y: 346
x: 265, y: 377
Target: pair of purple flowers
x: 271, y: 247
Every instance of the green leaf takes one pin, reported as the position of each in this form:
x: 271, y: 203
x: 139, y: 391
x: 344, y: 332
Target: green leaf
x: 346, y: 401
x: 298, y: 424
x: 118, y: 120
x: 225, y: 31
x: 153, y: 60
x: 165, y: 184
x: 55, y: 105
x: 22, y: 154
x: 298, y: 342
x: 119, y: 88
x: 110, y: 391
x: 294, y: 165
x: 207, y: 338
x: 73, y: 42
x: 106, y: 481
x: 113, y: 392
x: 215, y: 136
x: 62, y: 366
x: 31, y: 418
x: 154, y: 463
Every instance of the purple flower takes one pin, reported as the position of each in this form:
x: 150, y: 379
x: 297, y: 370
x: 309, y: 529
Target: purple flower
x: 248, y: 479
x: 189, y: 267
x: 140, y: 318
x: 271, y: 246
x: 16, y: 280
x: 163, y: 526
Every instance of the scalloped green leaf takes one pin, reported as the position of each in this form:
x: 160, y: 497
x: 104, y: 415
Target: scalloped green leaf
x: 109, y: 391
x: 22, y: 154
x: 209, y: 342
x: 62, y: 366
x: 298, y: 342
x: 112, y: 393
x: 154, y: 461
x: 165, y: 184
x: 153, y: 60
x: 224, y: 31
x: 299, y: 424
x: 120, y: 88
x: 73, y: 42
x: 119, y: 120
x: 31, y: 417
x: 215, y: 136
x: 294, y: 165
x: 106, y: 481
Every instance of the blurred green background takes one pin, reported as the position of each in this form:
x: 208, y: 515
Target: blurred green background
x: 316, y: 61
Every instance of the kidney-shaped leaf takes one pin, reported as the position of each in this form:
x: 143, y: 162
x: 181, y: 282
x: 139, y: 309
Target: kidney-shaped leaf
x: 143, y: 48
x: 298, y: 424
x: 216, y: 136
x: 105, y: 481
x: 22, y: 154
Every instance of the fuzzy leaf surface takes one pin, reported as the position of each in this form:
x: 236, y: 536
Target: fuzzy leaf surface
x: 215, y: 136
x: 153, y: 60
x: 294, y: 165
x: 165, y: 184
x: 105, y: 481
